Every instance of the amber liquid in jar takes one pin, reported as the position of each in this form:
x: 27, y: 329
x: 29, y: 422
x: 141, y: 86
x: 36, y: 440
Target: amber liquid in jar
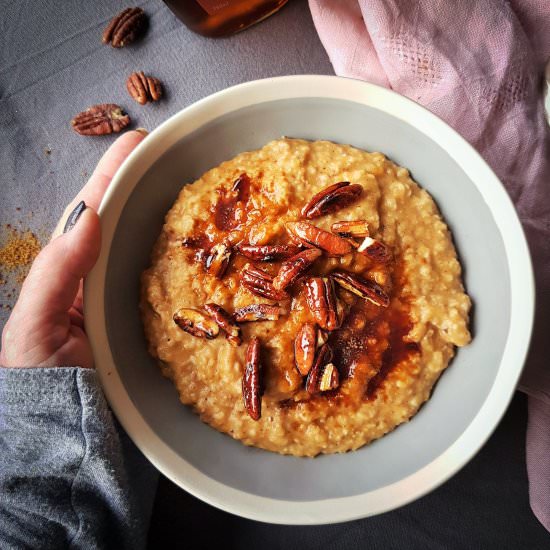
x: 222, y: 17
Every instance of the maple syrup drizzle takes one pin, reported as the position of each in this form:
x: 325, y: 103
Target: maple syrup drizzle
x: 372, y: 340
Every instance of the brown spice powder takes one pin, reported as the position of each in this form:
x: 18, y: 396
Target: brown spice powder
x: 19, y: 251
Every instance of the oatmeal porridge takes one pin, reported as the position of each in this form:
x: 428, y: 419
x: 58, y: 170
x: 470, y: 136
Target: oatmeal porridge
x: 304, y: 298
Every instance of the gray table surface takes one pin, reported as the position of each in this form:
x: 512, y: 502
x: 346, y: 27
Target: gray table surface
x: 53, y: 65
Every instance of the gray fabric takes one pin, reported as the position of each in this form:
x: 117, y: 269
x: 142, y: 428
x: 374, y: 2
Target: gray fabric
x: 53, y: 65
x: 68, y: 477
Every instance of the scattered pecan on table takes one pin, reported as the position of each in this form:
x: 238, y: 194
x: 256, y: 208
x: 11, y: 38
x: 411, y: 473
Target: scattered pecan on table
x: 143, y: 88
x: 125, y: 28
x: 100, y: 120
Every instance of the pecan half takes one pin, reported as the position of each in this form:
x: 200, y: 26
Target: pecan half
x: 261, y: 283
x: 350, y: 229
x: 368, y: 290
x: 332, y: 198
x: 292, y: 268
x: 100, y: 120
x: 257, y: 312
x: 143, y: 88
x: 251, y: 382
x: 196, y: 323
x: 313, y: 236
x: 125, y: 28
x: 321, y: 300
x: 267, y: 252
x: 226, y: 323
x: 217, y: 260
x: 330, y: 379
x: 374, y: 249
x: 305, y: 346
x: 324, y: 357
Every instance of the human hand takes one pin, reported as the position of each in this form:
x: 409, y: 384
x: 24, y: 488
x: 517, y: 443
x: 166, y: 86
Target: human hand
x: 46, y: 326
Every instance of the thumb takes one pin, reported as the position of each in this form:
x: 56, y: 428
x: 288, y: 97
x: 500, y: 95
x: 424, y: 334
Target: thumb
x: 54, y: 279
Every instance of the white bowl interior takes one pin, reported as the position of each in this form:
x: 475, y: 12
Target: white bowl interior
x: 457, y: 398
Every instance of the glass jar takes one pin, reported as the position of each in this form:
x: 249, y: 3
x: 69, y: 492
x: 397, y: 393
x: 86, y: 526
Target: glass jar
x: 222, y: 17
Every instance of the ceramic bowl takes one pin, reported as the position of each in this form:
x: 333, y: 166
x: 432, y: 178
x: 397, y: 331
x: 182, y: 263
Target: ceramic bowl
x: 470, y: 397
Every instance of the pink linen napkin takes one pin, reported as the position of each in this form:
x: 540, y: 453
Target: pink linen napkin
x: 479, y: 66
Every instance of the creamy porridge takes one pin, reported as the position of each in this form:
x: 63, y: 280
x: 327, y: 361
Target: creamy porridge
x: 304, y: 298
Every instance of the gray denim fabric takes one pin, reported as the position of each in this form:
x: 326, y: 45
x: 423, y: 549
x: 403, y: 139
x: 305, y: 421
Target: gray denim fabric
x: 69, y: 476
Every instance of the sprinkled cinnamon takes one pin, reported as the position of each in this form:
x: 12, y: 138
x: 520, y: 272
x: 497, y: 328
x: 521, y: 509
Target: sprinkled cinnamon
x: 19, y: 250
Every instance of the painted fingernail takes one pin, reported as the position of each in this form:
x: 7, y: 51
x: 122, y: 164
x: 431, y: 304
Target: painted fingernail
x: 74, y: 216
x: 142, y: 131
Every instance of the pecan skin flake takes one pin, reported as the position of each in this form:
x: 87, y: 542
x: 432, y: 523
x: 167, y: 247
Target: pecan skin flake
x: 125, y: 28
x: 143, y: 88
x: 251, y: 381
x: 100, y: 120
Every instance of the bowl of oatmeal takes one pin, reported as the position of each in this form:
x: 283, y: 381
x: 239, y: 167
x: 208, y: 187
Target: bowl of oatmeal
x: 301, y: 265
